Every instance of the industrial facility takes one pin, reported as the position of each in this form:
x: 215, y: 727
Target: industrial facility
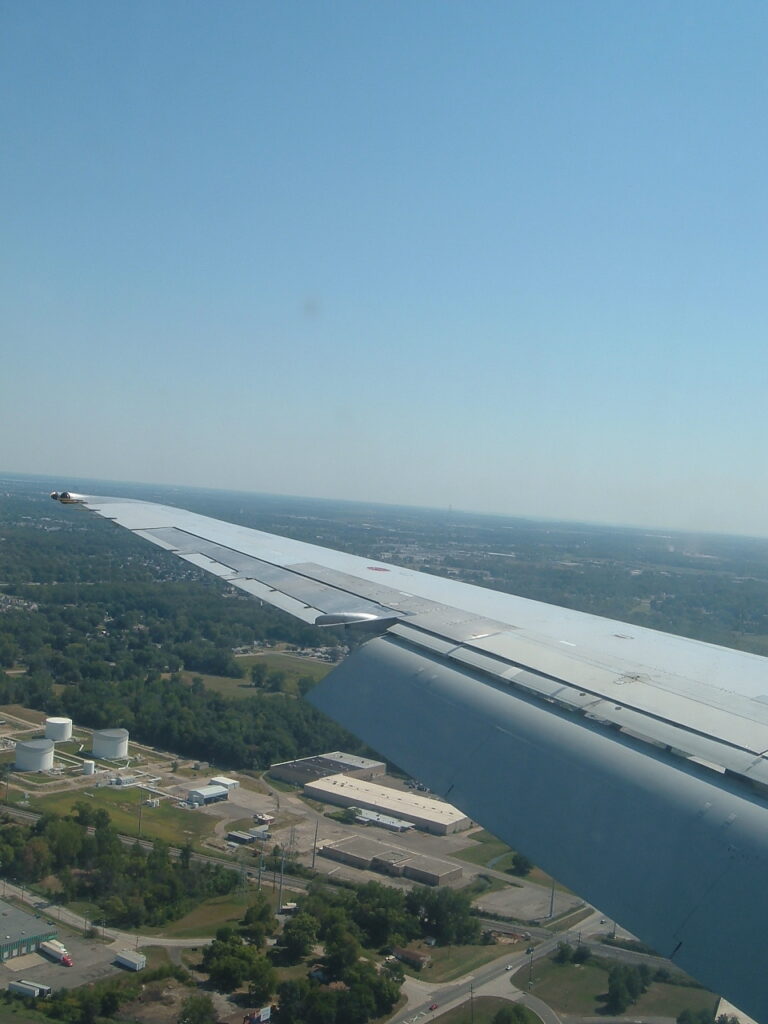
x: 227, y: 783
x: 207, y: 795
x: 20, y: 932
x: 110, y: 744
x: 307, y: 769
x: 431, y: 815
x: 34, y: 755
x: 58, y: 729
x: 371, y: 855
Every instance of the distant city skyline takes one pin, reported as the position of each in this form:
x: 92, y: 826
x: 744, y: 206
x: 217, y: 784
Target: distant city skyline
x: 508, y: 258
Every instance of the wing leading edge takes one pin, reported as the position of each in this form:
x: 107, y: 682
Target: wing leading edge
x: 629, y: 763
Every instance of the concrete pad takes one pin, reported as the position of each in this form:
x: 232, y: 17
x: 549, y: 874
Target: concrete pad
x: 25, y: 963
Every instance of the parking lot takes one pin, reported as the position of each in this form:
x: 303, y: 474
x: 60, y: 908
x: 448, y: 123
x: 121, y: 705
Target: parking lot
x: 92, y: 960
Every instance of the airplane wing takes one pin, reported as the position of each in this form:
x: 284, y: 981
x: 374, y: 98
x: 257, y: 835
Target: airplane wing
x: 630, y: 764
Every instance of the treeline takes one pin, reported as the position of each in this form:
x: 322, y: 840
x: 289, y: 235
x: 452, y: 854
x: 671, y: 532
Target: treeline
x: 190, y: 720
x: 113, y: 630
x: 348, y: 922
x: 80, y: 856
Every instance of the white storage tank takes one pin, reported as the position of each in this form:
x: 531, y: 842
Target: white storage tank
x: 111, y: 744
x: 89, y: 767
x: 34, y: 756
x: 58, y: 729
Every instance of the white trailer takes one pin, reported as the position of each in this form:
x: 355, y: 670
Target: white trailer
x: 56, y: 951
x: 29, y: 988
x: 131, y: 960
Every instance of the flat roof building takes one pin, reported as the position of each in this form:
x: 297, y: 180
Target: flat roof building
x: 222, y: 780
x: 431, y: 815
x: 242, y: 838
x: 208, y: 794
x: 372, y: 855
x: 21, y: 932
x: 306, y: 769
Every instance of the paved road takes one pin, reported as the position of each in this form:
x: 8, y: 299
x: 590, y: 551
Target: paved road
x: 492, y: 980
x: 119, y: 938
x: 495, y: 980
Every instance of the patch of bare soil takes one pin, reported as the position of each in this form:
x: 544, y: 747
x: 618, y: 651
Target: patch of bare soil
x: 159, y: 1003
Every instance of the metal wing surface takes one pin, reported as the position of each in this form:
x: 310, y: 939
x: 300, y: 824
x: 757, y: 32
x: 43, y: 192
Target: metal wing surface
x: 630, y: 764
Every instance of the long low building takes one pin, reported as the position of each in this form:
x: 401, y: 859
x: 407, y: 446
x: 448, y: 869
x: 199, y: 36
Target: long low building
x: 371, y: 855
x: 431, y: 815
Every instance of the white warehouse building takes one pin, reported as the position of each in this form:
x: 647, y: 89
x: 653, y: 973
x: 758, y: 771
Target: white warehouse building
x: 34, y: 756
x: 111, y: 744
x: 58, y: 729
x: 431, y: 815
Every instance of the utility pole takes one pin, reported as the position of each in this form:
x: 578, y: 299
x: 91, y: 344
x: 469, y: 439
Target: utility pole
x: 314, y: 844
x: 280, y: 891
x: 471, y: 1004
x: 552, y: 900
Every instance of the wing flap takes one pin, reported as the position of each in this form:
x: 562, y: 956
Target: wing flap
x: 608, y: 816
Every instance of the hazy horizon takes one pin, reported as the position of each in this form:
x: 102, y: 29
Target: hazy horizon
x: 51, y: 482
x: 508, y: 259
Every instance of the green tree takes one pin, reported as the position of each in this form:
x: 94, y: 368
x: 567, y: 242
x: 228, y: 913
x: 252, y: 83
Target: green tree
x: 227, y: 972
x: 341, y: 952
x: 259, y: 673
x: 291, y: 995
x: 197, y: 1009
x: 564, y: 953
x: 521, y: 865
x: 261, y: 980
x: 618, y: 994
x: 299, y: 935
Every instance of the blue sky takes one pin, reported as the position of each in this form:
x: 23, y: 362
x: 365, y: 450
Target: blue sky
x: 509, y: 257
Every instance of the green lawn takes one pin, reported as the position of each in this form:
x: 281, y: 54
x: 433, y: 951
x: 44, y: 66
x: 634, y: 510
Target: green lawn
x: 166, y: 822
x: 203, y: 921
x: 488, y: 848
x: 573, y: 989
x: 19, y: 1014
x: 568, y: 921
x: 449, y: 962
x: 240, y: 689
x: 481, y: 1011
x: 493, y: 853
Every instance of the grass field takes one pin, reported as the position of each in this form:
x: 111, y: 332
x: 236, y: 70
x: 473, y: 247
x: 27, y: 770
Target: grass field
x: 573, y: 989
x: 449, y: 962
x: 164, y: 822
x: 203, y: 921
x: 489, y: 848
x: 569, y: 921
x: 482, y: 1011
x: 493, y: 853
x: 26, y: 714
x: 240, y: 689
